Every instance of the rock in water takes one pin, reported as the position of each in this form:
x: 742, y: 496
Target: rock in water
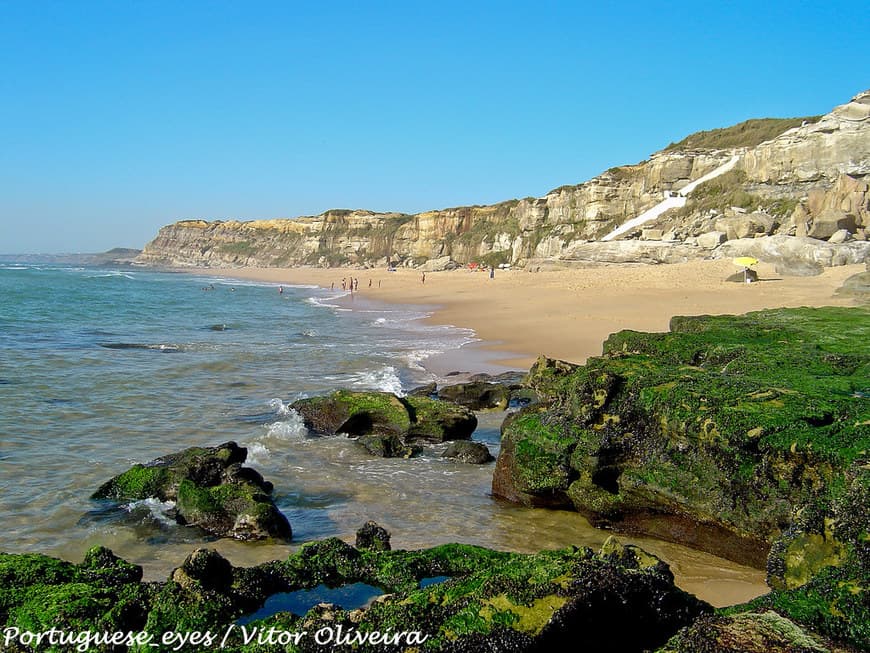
x: 477, y: 395
x: 373, y: 537
x: 475, y: 453
x: 365, y: 414
x: 388, y: 446
x: 211, y: 489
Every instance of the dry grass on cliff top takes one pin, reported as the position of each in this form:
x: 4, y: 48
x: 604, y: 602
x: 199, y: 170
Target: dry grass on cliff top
x: 748, y: 133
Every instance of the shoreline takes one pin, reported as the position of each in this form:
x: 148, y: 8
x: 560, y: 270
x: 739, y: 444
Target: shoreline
x: 566, y: 314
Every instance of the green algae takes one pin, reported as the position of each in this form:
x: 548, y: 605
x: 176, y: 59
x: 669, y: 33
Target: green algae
x: 491, y: 599
x: 731, y: 420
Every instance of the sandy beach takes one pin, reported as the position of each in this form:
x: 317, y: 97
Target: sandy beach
x: 567, y: 314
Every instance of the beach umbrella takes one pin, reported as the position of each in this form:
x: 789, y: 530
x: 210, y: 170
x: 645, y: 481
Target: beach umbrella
x: 745, y: 262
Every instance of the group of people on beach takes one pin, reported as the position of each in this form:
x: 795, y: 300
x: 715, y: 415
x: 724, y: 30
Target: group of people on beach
x: 351, y: 284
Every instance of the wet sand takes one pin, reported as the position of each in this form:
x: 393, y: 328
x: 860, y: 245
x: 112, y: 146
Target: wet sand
x: 568, y: 314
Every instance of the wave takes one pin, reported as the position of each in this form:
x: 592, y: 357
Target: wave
x: 326, y: 302
x: 162, y: 347
x: 385, y: 379
x: 289, y: 427
x: 162, y: 512
x: 110, y: 274
x: 249, y: 283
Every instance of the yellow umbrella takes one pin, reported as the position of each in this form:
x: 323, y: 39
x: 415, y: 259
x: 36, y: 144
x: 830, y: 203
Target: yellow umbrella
x: 745, y: 262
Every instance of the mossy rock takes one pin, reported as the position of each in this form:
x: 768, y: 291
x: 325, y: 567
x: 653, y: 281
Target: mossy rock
x: 490, y: 599
x: 354, y: 413
x: 438, y: 421
x: 723, y: 426
x: 480, y: 395
x: 475, y: 453
x: 103, y: 593
x: 388, y: 446
x: 211, y: 490
x: 751, y: 632
x: 242, y: 511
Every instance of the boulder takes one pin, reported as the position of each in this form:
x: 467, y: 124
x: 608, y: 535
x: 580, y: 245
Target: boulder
x: 711, y: 239
x: 211, y: 489
x: 438, y: 421
x: 426, y: 390
x: 413, y: 418
x: 354, y: 413
x: 438, y: 264
x: 475, y: 453
x: 840, y: 236
x: 857, y: 286
x: 651, y: 234
x: 793, y: 250
x: 829, y: 221
x: 204, y: 569
x: 797, y: 268
x: 372, y: 537
x: 388, y: 445
x: 745, y: 225
x: 477, y: 395
x: 709, y: 435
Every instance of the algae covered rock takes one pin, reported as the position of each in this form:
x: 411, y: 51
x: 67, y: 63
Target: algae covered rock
x: 210, y: 488
x: 438, y: 421
x: 383, y: 413
x: 712, y: 435
x: 477, y: 395
x: 373, y: 537
x: 388, y: 446
x: 750, y: 632
x: 452, y: 597
x: 475, y: 453
x: 38, y: 593
x: 354, y: 413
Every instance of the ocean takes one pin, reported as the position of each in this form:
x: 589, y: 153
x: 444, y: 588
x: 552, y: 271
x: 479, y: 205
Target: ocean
x: 101, y: 369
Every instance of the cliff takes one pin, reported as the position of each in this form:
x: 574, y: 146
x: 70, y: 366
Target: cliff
x: 810, y: 179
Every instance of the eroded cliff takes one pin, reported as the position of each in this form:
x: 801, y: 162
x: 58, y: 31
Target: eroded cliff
x: 811, y: 180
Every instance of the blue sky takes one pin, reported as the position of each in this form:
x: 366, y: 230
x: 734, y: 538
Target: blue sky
x: 119, y: 117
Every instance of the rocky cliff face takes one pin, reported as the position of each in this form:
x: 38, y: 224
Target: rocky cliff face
x: 811, y: 181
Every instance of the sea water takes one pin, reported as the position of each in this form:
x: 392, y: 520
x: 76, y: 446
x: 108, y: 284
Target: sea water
x: 101, y: 369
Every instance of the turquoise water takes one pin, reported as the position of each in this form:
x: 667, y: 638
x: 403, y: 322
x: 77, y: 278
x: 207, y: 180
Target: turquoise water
x: 101, y: 369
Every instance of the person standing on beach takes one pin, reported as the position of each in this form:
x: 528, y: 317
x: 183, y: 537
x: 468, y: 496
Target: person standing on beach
x: 424, y: 277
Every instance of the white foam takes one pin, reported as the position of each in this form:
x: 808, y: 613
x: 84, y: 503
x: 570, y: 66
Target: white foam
x: 159, y: 509
x: 385, y: 379
x: 281, y: 409
x: 258, y: 453
x: 293, y: 428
